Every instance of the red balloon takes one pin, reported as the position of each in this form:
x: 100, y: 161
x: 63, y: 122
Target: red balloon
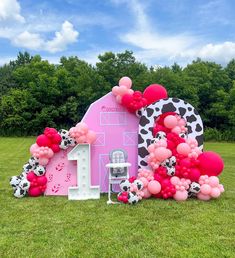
x: 194, y: 174
x: 43, y: 140
x: 56, y: 138
x: 186, y: 162
x: 42, y: 180
x: 31, y: 177
x: 126, y: 99
x: 154, y: 92
x: 55, y: 148
x: 210, y: 163
x: 34, y: 191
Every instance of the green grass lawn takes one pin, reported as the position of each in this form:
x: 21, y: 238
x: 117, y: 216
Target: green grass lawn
x: 56, y: 227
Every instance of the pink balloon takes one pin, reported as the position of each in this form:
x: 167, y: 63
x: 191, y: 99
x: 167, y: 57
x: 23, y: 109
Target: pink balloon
x: 144, y: 181
x: 115, y: 90
x: 215, y: 192
x: 125, y: 81
x: 162, y: 153
x: 170, y: 121
x: 146, y: 192
x: 91, y: 137
x: 176, y: 130
x: 180, y: 195
x: 122, y: 90
x: 203, y: 197
x: 213, y: 181
x: 154, y: 187
x: 34, y: 148
x: 43, y: 161
x: 175, y: 180
x: 205, y: 189
x: 181, y: 122
x: 183, y: 148
x: 119, y: 99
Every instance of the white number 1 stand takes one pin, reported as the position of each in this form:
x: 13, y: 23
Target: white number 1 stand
x: 83, y: 190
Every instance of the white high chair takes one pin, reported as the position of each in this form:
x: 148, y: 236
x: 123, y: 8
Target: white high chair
x: 118, y: 170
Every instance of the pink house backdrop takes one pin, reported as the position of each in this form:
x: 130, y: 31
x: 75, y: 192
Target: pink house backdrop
x: 115, y: 128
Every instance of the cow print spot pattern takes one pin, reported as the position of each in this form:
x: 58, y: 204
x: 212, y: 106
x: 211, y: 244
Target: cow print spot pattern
x: 184, y: 109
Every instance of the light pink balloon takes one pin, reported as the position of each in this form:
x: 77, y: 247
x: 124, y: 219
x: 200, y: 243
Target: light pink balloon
x: 213, y: 181
x: 180, y: 195
x: 83, y: 127
x: 146, y: 192
x: 181, y: 122
x: 176, y: 130
x: 125, y: 81
x: 170, y: 121
x: 203, y: 197
x: 91, y: 137
x: 205, y: 189
x: 162, y: 153
x: 215, y: 192
x: 154, y: 187
x: 122, y: 90
x: 115, y: 90
x: 175, y: 180
x: 183, y: 148
x: 43, y: 161
x: 34, y: 148
x: 119, y: 99
x: 81, y: 139
x: 144, y: 181
x: 130, y: 91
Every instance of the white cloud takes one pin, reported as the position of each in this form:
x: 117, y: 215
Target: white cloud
x: 28, y: 40
x: 34, y: 41
x: 154, y: 46
x: 62, y: 38
x: 10, y: 10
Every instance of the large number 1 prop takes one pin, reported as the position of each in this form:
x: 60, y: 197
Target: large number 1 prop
x: 83, y: 190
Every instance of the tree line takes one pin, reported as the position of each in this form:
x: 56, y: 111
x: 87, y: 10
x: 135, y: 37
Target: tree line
x: 35, y: 94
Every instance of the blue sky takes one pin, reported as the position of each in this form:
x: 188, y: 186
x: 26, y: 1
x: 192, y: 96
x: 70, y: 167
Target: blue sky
x: 158, y: 32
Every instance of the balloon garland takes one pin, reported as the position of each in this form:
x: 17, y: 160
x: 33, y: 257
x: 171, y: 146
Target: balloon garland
x: 32, y: 180
x: 178, y: 168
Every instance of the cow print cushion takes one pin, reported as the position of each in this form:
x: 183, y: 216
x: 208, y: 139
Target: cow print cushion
x: 149, y: 115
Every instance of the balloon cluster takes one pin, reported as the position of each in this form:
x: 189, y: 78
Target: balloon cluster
x: 32, y: 180
x: 131, y: 191
x: 209, y: 187
x: 179, y: 168
x: 82, y: 134
x: 135, y: 100
x: 37, y: 184
x: 50, y: 138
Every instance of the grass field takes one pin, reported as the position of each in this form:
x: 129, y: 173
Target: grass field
x: 56, y: 227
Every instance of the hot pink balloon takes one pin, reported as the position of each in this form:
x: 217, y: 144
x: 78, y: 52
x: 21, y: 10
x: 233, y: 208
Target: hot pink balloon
x: 183, y: 148
x: 154, y: 187
x: 125, y: 81
x: 170, y: 121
